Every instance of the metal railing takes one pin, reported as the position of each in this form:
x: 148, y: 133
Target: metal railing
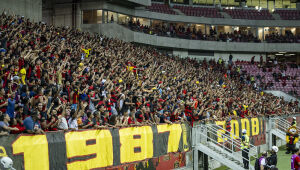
x: 228, y: 143
x: 281, y: 124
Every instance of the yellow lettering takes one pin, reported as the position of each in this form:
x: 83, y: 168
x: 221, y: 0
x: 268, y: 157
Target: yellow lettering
x: 262, y: 127
x: 2, y: 152
x: 174, y: 136
x: 220, y: 132
x: 35, y: 151
x: 246, y: 125
x: 255, y: 126
x: 184, y: 138
x: 136, y: 143
x: 235, y: 129
x: 94, y: 148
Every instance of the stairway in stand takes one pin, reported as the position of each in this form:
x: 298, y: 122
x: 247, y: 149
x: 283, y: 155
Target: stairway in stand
x: 225, y: 148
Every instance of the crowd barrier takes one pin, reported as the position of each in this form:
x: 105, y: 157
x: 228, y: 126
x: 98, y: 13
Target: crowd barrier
x: 97, y: 149
x: 162, y: 146
x: 255, y: 127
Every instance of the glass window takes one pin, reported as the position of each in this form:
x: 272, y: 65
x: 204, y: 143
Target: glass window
x: 286, y: 3
x: 278, y: 3
x: 228, y: 29
x: 232, y: 3
x: 224, y: 2
x: 271, y: 5
x: 209, y: 2
x: 200, y: 27
x: 267, y: 30
x: 297, y: 31
x: 144, y: 21
x: 217, y: 1
x: 260, y: 33
x: 123, y: 19
x: 105, y: 13
x: 180, y: 1
x: 263, y: 4
x: 255, y: 3
x: 202, y: 2
x: 91, y: 16
x: 112, y: 17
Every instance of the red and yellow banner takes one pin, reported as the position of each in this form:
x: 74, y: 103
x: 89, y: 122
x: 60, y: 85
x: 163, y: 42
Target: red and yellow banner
x: 94, y: 149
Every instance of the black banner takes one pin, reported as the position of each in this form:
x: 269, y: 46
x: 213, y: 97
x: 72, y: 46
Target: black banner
x: 92, y: 149
x: 255, y: 127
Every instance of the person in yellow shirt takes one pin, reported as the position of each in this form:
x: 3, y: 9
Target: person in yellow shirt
x: 245, y: 144
x: 87, y: 52
x: 234, y: 113
x: 23, y: 75
x: 245, y: 107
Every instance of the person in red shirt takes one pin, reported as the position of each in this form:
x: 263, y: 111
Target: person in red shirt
x: 296, y: 160
x: 131, y: 119
x: 38, y: 70
x: 17, y: 123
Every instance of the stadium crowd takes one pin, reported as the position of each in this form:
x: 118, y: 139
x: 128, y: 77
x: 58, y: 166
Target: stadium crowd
x: 58, y: 78
x: 194, y: 34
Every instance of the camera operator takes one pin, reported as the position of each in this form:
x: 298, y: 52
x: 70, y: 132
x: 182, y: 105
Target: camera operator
x: 272, y: 160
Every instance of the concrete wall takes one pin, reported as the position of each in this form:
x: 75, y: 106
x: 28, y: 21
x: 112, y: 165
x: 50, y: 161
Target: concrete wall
x: 285, y: 96
x: 182, y: 54
x: 141, y: 2
x: 94, y: 28
x: 61, y: 12
x: 225, y: 56
x: 240, y: 56
x: 61, y: 16
x: 29, y: 8
x: 189, y: 19
x: 117, y: 31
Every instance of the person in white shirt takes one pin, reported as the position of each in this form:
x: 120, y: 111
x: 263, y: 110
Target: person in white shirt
x: 72, y: 122
x: 62, y: 121
x: 263, y: 161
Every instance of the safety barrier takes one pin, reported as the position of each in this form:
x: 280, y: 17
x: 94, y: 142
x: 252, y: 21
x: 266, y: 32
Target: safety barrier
x: 93, y: 149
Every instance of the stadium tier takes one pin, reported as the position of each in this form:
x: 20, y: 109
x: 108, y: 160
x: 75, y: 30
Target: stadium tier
x: 136, y: 84
x: 161, y: 8
x: 251, y: 14
x: 199, y: 11
x: 288, y: 14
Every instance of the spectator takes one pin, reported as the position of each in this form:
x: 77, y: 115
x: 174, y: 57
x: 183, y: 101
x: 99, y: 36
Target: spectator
x: 272, y: 160
x: 4, y: 124
x: 295, y: 159
x: 111, y: 83
x: 32, y: 124
x: 62, y: 120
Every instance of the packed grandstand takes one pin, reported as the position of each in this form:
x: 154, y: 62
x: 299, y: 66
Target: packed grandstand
x: 76, y: 80
x: 64, y: 79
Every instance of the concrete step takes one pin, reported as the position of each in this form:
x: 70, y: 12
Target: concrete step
x: 276, y: 16
x: 220, y: 155
x: 226, y: 15
x: 184, y: 168
x: 178, y: 11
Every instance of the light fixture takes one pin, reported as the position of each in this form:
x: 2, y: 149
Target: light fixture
x: 292, y: 54
x: 293, y: 29
x: 282, y: 52
x: 278, y: 54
